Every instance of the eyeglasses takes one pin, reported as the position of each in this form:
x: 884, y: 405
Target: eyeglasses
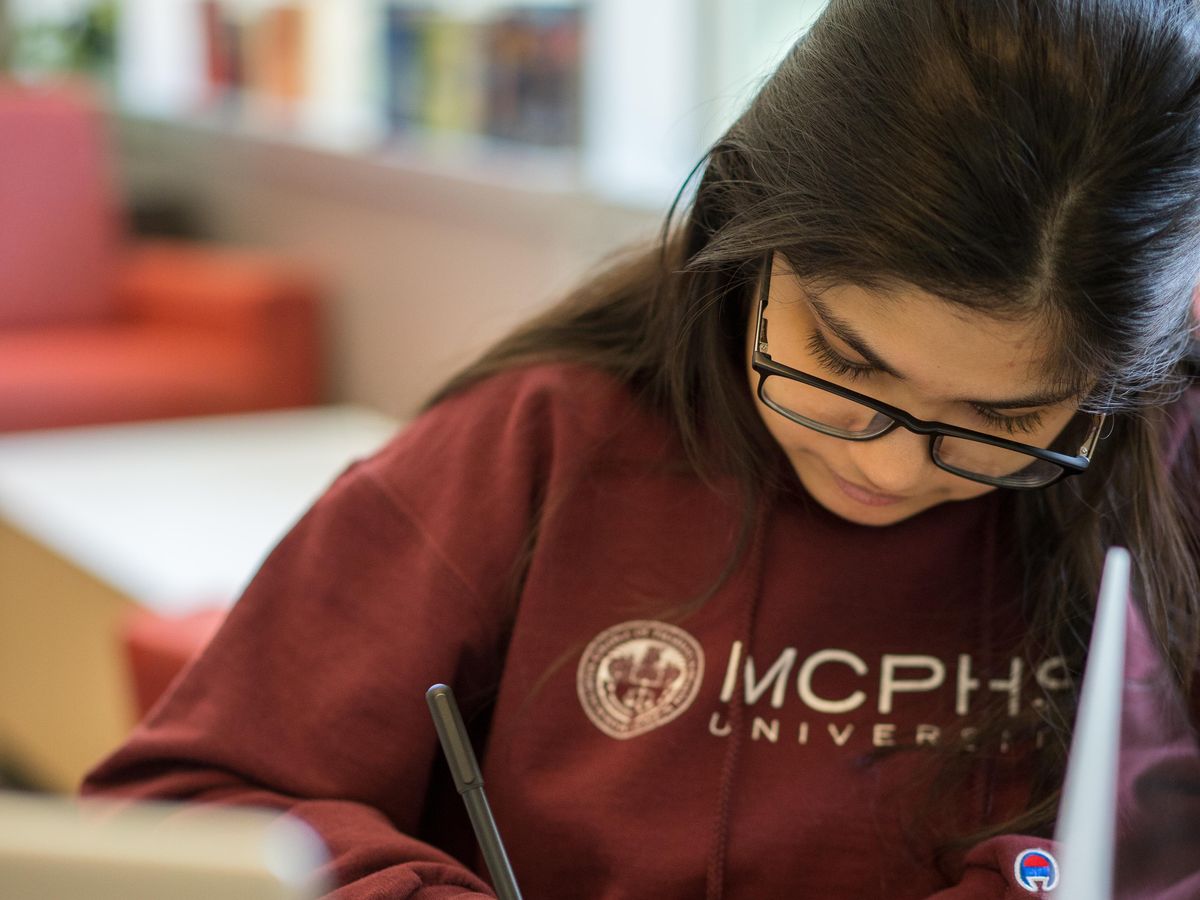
x: 839, y: 412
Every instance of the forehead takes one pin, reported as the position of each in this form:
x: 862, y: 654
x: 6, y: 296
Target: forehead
x: 941, y: 348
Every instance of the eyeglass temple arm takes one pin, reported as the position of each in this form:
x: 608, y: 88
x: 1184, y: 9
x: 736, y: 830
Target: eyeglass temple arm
x: 760, y: 336
x: 761, y: 341
x: 1090, y: 446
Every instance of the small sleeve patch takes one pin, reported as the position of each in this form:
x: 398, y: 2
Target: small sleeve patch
x: 1036, y: 870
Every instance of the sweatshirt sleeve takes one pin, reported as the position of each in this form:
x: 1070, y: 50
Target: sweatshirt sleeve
x: 1006, y: 867
x: 311, y: 696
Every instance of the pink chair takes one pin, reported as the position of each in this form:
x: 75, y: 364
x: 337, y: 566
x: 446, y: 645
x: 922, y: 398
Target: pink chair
x: 96, y: 327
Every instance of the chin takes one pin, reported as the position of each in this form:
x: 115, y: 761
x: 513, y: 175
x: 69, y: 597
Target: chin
x: 826, y: 493
x: 875, y: 516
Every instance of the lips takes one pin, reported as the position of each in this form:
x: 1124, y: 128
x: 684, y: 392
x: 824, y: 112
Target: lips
x: 863, y: 495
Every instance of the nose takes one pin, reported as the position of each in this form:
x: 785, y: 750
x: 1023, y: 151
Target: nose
x: 896, y: 463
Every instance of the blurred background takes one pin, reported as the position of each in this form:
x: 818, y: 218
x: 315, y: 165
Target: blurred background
x: 386, y: 142
x: 241, y: 240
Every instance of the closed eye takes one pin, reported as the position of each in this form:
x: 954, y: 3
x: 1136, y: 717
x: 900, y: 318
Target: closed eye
x: 834, y: 362
x: 838, y: 365
x: 1024, y: 424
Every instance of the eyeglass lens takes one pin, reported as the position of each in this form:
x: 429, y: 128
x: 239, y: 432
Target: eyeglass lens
x: 841, y: 417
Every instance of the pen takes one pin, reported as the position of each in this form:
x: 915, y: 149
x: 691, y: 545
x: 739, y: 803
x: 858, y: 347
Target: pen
x: 469, y: 781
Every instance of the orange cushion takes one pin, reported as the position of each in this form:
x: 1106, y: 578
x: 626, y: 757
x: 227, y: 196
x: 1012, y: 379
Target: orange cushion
x: 77, y: 376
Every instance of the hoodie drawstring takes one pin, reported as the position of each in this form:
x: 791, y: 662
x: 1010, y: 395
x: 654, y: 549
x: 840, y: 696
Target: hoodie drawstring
x: 715, y: 877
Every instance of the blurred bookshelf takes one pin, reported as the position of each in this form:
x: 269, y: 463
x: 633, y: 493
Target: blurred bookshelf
x: 613, y: 98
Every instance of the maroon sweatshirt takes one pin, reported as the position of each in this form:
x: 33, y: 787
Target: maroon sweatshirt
x: 531, y: 542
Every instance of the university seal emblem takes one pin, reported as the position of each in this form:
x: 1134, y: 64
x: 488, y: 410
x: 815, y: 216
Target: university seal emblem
x: 637, y: 676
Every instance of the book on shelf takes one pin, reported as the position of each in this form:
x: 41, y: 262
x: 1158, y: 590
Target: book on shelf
x: 453, y: 96
x: 275, y: 62
x: 404, y: 68
x: 222, y: 52
x: 533, y: 76
x: 511, y: 71
x: 256, y: 57
x: 514, y: 75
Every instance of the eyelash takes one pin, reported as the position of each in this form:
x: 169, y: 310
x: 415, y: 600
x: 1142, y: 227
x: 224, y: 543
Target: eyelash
x: 1012, y: 424
x: 842, y: 367
x: 835, y: 363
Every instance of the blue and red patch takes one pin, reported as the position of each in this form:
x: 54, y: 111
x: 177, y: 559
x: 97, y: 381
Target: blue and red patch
x: 1036, y: 870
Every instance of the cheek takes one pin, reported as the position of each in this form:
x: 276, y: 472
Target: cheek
x: 795, y: 438
x: 802, y: 445
x: 962, y: 489
x: 814, y: 454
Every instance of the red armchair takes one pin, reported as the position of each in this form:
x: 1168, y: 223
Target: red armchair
x: 97, y: 327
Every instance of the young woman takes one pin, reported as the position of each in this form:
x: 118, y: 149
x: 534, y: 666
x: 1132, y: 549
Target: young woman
x: 763, y: 565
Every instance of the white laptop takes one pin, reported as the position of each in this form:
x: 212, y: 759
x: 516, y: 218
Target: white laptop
x: 1086, y: 831
x: 1157, y: 851
x: 56, y: 848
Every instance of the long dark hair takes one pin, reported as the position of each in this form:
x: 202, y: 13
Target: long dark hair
x: 1018, y: 157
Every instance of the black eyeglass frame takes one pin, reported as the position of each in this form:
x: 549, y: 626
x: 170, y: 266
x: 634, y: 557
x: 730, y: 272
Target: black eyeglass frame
x: 765, y: 366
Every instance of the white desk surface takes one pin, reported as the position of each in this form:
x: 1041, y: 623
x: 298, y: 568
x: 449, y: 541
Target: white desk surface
x: 179, y: 514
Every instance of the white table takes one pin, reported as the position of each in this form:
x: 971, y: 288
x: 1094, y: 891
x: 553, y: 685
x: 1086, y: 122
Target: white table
x: 171, y: 516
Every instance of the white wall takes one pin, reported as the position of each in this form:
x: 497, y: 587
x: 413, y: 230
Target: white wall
x: 424, y: 269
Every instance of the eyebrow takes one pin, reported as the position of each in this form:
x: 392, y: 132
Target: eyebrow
x: 845, y: 331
